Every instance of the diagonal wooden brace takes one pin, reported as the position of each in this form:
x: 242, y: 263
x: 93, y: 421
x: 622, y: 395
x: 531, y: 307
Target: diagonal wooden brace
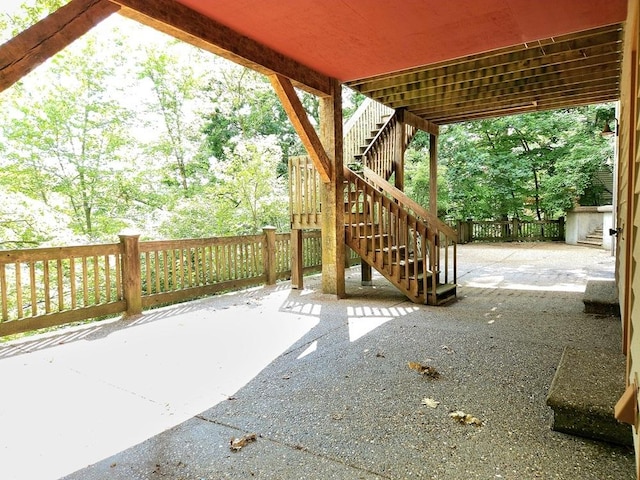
x: 298, y: 117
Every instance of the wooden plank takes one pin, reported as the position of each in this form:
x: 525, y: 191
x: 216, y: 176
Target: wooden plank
x: 474, y: 86
x: 55, y: 253
x: 420, y: 123
x: 332, y: 216
x: 433, y: 175
x: 432, y: 221
x: 60, y: 318
x: 27, y: 50
x: 298, y: 117
x: 595, y: 87
x: 183, y: 23
x: 496, y: 111
x: 507, y: 59
x: 399, y: 147
x: 194, y: 292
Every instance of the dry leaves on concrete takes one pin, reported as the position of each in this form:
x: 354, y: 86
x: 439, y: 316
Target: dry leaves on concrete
x: 465, y: 418
x: 237, y: 443
x: 425, y: 370
x: 430, y: 402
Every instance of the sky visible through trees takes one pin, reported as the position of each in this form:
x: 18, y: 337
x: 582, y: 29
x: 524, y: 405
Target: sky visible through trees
x: 130, y: 129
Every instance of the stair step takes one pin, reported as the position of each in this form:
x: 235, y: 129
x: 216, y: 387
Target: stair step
x: 601, y: 297
x: 583, y: 394
x: 594, y: 243
x: 445, y: 293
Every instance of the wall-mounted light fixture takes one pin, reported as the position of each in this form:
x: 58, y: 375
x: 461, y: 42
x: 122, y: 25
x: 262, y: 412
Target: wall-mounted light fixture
x: 607, y: 132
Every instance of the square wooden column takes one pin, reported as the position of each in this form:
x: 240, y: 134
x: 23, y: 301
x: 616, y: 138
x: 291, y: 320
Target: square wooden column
x: 433, y: 174
x: 332, y: 194
x: 400, y: 148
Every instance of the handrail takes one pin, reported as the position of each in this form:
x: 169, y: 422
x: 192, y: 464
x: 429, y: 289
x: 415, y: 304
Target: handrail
x: 381, y: 132
x: 402, y: 198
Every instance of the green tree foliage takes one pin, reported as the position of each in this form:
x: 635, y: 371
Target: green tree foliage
x: 526, y: 166
x: 246, y: 196
x: 28, y: 14
x: 178, y: 89
x: 245, y: 106
x: 66, y: 139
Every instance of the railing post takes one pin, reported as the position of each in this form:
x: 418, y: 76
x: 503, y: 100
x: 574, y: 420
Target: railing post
x: 131, y: 275
x: 297, y: 262
x: 270, y: 254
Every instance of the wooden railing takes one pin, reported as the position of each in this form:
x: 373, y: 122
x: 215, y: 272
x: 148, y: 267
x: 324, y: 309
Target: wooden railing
x: 46, y: 287
x: 50, y: 286
x: 304, y: 193
x: 358, y: 129
x: 511, y: 231
x: 380, y: 155
x: 418, y: 255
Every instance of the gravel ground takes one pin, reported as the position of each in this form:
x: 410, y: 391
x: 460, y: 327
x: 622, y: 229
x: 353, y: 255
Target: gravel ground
x: 341, y: 402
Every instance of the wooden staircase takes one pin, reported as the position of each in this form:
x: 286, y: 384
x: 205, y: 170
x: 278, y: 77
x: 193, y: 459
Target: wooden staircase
x: 411, y: 248
x: 400, y: 239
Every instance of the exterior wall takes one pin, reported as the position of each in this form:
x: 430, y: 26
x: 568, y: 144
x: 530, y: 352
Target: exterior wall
x: 607, y: 223
x: 628, y: 212
x: 581, y: 221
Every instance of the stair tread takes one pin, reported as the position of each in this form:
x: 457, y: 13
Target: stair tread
x: 583, y: 393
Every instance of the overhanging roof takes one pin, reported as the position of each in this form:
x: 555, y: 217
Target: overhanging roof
x: 445, y: 61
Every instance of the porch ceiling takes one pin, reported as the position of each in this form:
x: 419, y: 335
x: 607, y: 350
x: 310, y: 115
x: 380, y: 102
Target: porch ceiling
x: 446, y: 61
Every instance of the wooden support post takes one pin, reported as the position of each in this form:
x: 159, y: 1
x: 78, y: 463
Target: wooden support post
x: 298, y: 117
x: 27, y: 50
x: 400, y: 147
x: 269, y: 255
x: 131, y: 276
x: 297, y: 260
x: 433, y: 175
x: 332, y: 193
x: 366, y: 274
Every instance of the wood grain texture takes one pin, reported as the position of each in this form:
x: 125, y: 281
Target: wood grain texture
x: 298, y: 117
x: 187, y: 25
x: 27, y: 50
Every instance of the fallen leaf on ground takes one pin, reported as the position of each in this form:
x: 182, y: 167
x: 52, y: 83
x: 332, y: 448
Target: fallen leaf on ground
x: 237, y: 443
x: 430, y: 402
x: 465, y: 418
x: 425, y: 370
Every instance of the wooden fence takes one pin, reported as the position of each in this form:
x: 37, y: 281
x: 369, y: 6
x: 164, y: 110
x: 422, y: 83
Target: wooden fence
x: 510, y: 231
x: 46, y: 287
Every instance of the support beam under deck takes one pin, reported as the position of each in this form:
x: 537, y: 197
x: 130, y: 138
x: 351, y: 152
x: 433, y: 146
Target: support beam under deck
x: 24, y: 52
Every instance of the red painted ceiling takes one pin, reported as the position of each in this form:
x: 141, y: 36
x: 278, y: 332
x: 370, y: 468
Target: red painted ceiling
x: 353, y: 39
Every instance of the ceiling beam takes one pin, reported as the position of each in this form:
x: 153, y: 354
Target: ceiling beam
x: 522, y: 54
x: 595, y: 86
x: 532, y: 86
x: 32, y: 47
x: 420, y: 123
x: 488, y: 111
x: 185, y: 24
x: 471, y: 78
x: 300, y: 120
x: 493, y: 74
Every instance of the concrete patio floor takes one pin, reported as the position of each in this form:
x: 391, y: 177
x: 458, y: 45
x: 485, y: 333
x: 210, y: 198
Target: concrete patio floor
x: 323, y: 383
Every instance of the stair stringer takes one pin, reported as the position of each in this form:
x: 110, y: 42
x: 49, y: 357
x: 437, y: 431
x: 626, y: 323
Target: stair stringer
x: 403, y: 248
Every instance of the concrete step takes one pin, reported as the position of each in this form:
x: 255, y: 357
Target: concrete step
x: 590, y: 243
x: 601, y: 297
x: 583, y: 394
